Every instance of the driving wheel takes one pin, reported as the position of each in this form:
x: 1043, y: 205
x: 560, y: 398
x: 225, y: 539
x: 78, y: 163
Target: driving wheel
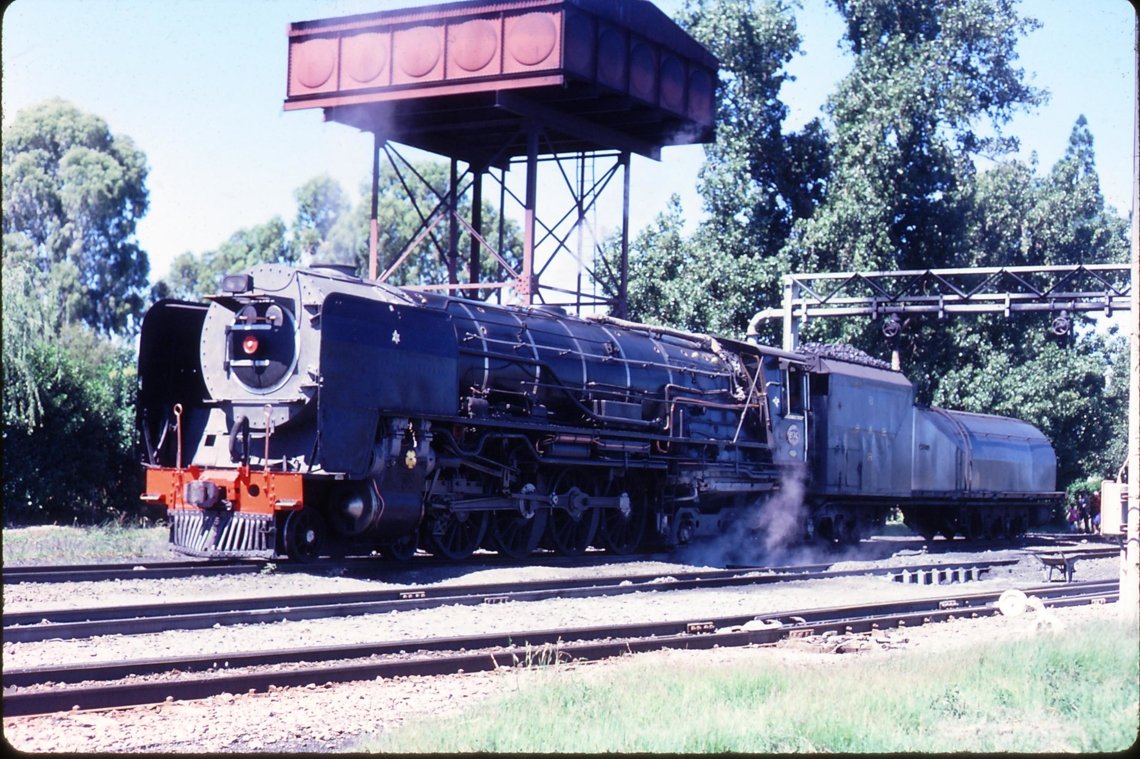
x: 622, y: 533
x: 455, y: 535
x: 512, y: 534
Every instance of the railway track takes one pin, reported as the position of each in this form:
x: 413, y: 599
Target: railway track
x: 371, y: 566
x: 29, y: 626
x: 53, y: 689
x: 357, y: 566
x: 126, y: 571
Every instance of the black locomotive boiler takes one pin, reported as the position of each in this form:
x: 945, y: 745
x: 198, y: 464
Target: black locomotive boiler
x: 301, y: 411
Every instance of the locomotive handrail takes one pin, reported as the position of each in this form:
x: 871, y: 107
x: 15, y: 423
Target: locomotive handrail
x: 704, y: 341
x: 178, y: 434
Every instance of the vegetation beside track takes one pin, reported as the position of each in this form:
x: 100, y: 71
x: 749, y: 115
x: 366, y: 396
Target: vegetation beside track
x: 1073, y: 690
x: 53, y: 544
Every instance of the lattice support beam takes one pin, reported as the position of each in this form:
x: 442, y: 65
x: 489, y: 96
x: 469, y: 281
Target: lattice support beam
x: 1077, y: 288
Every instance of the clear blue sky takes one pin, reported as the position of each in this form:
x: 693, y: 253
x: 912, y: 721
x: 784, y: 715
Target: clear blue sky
x: 199, y: 86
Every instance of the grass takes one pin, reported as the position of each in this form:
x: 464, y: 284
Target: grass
x: 1074, y: 691
x: 53, y: 544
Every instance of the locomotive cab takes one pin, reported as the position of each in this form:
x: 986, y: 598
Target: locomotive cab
x: 786, y: 389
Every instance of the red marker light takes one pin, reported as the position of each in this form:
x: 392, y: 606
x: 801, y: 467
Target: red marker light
x: 249, y: 345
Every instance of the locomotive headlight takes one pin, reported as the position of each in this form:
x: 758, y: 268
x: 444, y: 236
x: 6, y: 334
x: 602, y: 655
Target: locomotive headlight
x: 263, y: 346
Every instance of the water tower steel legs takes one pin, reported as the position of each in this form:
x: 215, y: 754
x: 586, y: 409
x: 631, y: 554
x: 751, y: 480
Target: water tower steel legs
x: 373, y: 224
x: 474, y: 270
x: 453, y: 227
x: 524, y: 278
x: 621, y: 308
x: 525, y: 285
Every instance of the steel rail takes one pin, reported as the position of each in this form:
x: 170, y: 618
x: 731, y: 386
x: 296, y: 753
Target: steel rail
x: 30, y: 626
x: 356, y: 565
x: 124, y: 571
x: 488, y: 652
x: 370, y: 565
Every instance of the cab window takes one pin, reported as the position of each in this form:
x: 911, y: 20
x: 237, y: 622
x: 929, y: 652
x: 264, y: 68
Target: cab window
x: 797, y: 403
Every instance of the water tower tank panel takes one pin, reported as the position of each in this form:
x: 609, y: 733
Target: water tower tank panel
x: 429, y: 76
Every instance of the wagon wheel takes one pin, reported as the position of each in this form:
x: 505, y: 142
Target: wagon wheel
x: 973, y: 530
x: 847, y: 533
x: 455, y: 535
x: 512, y: 534
x: 1017, y: 526
x: 995, y: 528
x: 401, y: 549
x: 304, y: 536
x: 622, y: 533
x: 924, y: 527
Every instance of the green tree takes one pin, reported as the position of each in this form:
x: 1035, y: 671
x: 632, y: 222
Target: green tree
x: 675, y: 282
x: 68, y: 406
x: 32, y: 314
x: 72, y: 295
x: 907, y: 120
x: 1018, y: 218
x: 73, y: 195
x: 320, y: 205
x: 1073, y: 223
x: 757, y: 180
x: 75, y: 461
x: 193, y: 277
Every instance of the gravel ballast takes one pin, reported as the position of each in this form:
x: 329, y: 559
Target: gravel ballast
x: 331, y: 717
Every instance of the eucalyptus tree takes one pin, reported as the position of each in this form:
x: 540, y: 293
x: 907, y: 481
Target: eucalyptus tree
x: 72, y: 297
x: 676, y: 282
x: 74, y: 193
x: 321, y: 202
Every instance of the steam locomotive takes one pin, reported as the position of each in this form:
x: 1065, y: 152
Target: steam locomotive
x: 304, y: 411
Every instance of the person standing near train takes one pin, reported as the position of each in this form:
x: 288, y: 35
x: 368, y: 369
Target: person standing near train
x: 1085, y: 513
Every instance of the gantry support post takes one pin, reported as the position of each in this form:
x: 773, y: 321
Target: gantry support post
x: 791, y: 324
x: 1130, y: 571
